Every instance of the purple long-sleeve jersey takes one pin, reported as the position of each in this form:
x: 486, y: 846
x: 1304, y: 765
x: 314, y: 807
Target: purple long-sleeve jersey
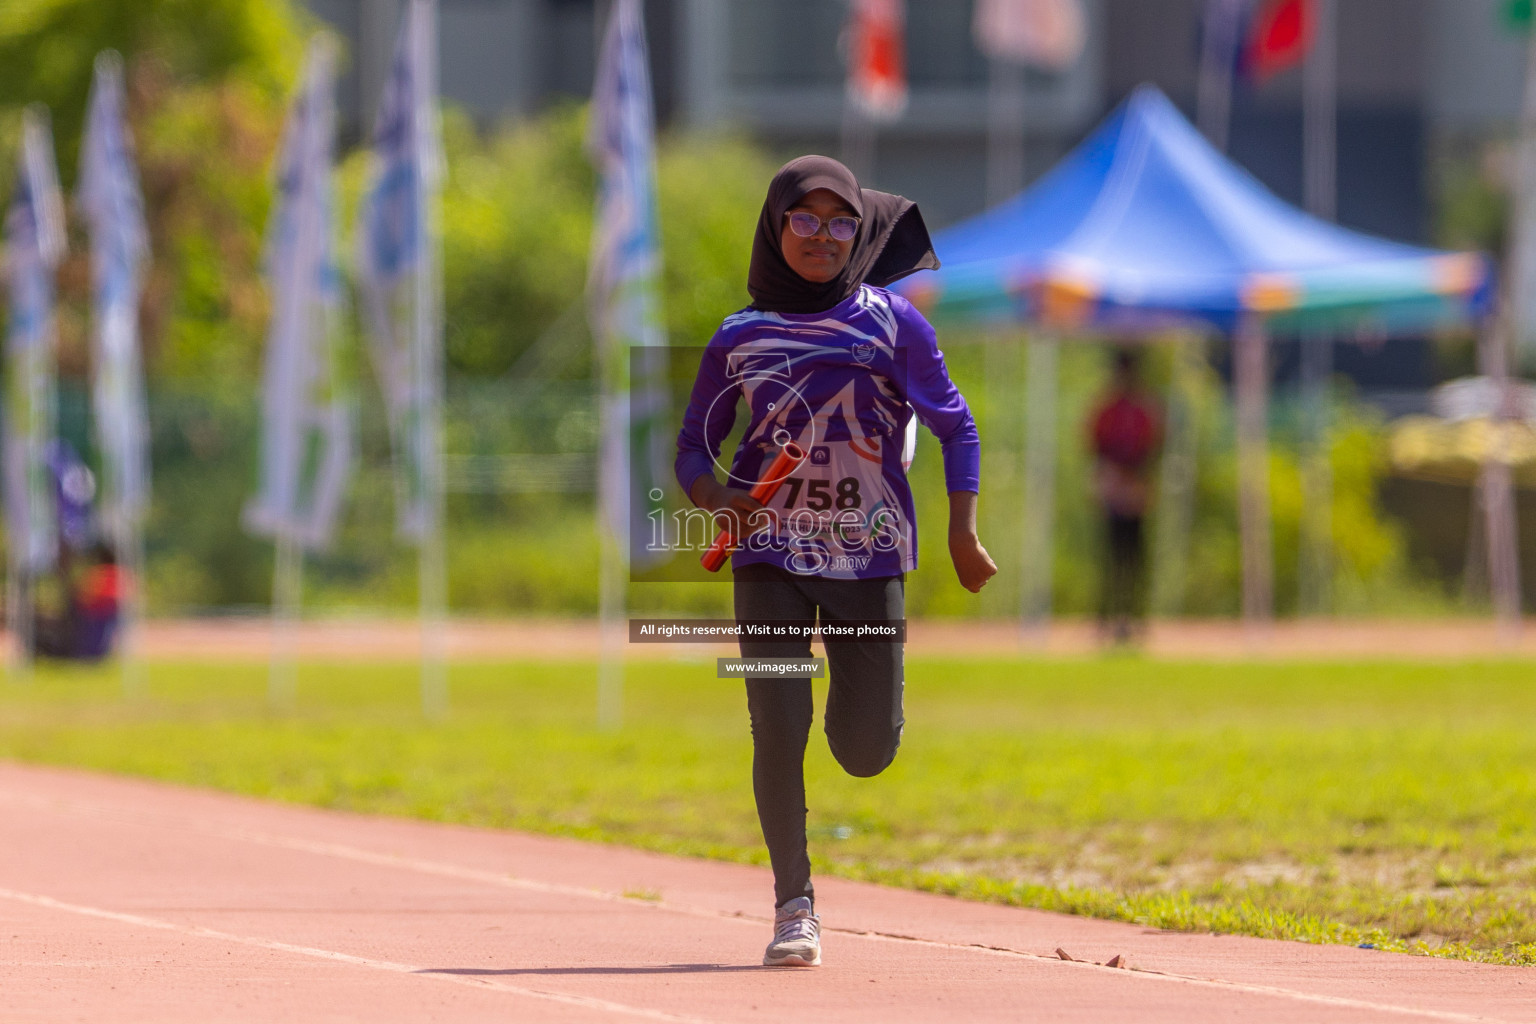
x: 843, y: 384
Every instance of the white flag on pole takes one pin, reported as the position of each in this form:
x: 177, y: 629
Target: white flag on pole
x: 398, y: 272
x: 1047, y: 34
x: 306, y: 428
x: 623, y: 287
x: 34, y: 236
x: 108, y: 194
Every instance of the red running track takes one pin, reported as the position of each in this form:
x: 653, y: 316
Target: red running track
x: 126, y: 900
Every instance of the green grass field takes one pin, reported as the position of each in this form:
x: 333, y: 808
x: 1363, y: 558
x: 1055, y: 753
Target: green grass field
x: 1375, y: 802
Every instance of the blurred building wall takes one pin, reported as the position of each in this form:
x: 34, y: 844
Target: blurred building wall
x: 1408, y: 69
x: 1474, y: 74
x: 1417, y: 79
x: 500, y: 58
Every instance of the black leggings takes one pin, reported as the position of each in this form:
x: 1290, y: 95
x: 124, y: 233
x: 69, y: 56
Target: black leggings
x: 1123, y: 597
x: 863, y: 715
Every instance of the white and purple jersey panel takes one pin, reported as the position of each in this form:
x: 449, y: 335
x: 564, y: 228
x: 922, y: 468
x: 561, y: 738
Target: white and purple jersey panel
x: 843, y: 384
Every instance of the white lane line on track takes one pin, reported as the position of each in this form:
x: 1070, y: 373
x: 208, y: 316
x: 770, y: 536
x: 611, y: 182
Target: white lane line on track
x: 444, y: 870
x: 1186, y: 979
x: 511, y: 882
x: 585, y: 1002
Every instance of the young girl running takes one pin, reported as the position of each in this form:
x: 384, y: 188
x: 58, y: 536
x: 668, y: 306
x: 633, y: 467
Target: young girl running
x: 829, y: 360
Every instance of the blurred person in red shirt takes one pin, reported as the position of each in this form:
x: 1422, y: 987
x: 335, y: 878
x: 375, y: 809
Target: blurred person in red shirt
x: 100, y: 597
x: 1125, y: 433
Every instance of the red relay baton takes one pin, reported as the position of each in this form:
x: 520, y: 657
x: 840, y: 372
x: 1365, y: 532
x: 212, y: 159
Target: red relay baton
x: 789, y: 459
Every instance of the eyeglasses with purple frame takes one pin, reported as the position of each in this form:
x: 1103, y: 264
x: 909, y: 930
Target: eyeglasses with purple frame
x: 841, y: 227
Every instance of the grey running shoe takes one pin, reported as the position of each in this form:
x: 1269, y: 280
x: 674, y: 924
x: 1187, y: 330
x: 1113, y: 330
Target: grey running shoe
x: 796, y: 936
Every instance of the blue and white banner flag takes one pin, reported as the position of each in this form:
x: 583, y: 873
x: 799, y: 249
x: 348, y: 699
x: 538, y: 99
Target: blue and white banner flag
x: 108, y: 195
x: 34, y: 237
x: 306, y: 427
x: 623, y: 286
x: 399, y: 271
x: 1223, y: 27
x: 1221, y: 43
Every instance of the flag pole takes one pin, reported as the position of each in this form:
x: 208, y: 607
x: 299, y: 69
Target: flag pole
x: 1497, y: 484
x: 1320, y: 113
x: 1213, y: 115
x: 1320, y: 157
x: 18, y: 602
x: 1041, y: 384
x: 1520, y: 274
x: 1005, y: 176
x: 1250, y: 358
x: 1176, y: 480
x: 433, y: 550
x: 287, y: 592
x: 1006, y: 106
x: 858, y: 141
x: 1213, y: 97
x: 1499, y: 343
x: 130, y: 555
x: 1006, y: 133
x: 611, y: 601
x: 611, y: 596
x: 434, y: 616
x: 433, y: 561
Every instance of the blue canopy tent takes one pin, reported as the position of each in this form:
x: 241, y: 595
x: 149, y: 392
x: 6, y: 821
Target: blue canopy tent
x: 1145, y: 227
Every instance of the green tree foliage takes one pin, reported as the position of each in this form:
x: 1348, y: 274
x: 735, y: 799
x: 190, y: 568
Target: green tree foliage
x: 517, y: 226
x: 710, y: 192
x: 517, y: 221
x: 205, y: 161
x: 207, y: 81
x: 48, y: 49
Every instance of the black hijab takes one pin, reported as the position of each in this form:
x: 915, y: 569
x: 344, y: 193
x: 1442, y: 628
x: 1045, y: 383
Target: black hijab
x: 892, y: 241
